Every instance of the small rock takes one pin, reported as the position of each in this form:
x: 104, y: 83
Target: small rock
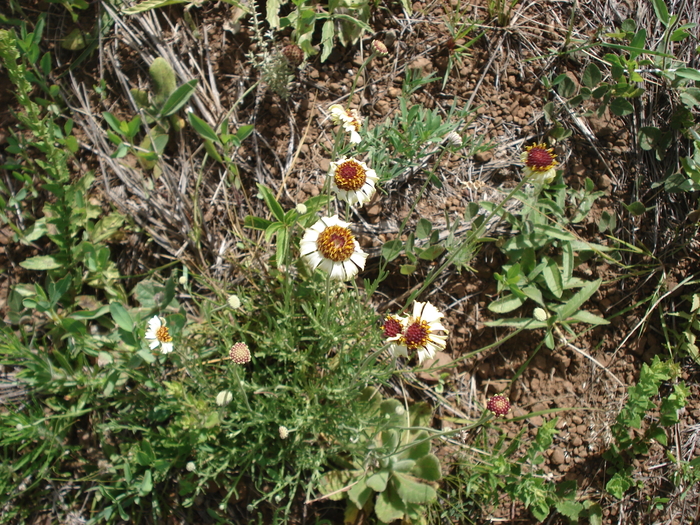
x: 483, y: 156
x: 558, y: 457
x: 441, y: 359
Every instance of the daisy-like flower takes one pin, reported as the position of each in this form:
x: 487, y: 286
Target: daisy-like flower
x: 352, y: 180
x: 158, y: 334
x: 349, y: 119
x: 420, y: 332
x: 498, y: 405
x: 239, y: 354
x: 393, y: 328
x: 330, y: 245
x: 539, y: 163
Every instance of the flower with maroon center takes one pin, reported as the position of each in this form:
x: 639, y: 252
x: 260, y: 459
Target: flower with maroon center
x: 158, y: 334
x: 499, y: 405
x: 239, y: 354
x: 420, y: 333
x: 539, y: 163
x: 352, y: 180
x: 330, y: 245
x: 393, y: 326
x: 349, y: 119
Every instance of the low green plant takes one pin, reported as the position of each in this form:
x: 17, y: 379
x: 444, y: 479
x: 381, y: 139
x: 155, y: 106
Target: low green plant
x: 630, y: 440
x: 542, y: 257
x: 160, y: 110
x: 394, y: 473
x: 501, y: 10
x: 686, y: 333
x: 345, y: 20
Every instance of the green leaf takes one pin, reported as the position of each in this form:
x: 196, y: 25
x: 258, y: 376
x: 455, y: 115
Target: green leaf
x: 407, y: 269
x: 584, y: 316
x: 618, y: 485
x: 327, y: 34
x: 256, y: 223
x: 552, y: 277
x: 202, y: 128
x: 410, y: 490
x: 273, y: 17
x: 389, y: 507
x: 121, y: 317
x: 178, y: 98
x: 661, y: 11
x: 577, y: 300
x: 392, y: 249
x: 687, y: 72
x: 360, y: 493
x: 506, y: 304
x: 147, y: 484
x: 532, y: 324
x: 41, y: 262
x: 150, y: 4
x: 428, y: 468
x: 431, y: 252
x: 591, y: 76
x: 423, y: 228
x: 378, y: 480
x: 621, y: 107
x: 271, y: 202
x: 636, y: 208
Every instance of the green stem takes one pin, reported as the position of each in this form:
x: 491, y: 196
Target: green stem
x: 240, y: 386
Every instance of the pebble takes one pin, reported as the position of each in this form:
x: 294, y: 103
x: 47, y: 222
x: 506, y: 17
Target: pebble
x: 558, y: 457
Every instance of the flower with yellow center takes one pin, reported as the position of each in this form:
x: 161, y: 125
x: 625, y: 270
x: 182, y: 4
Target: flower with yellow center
x: 419, y: 332
x: 158, y: 334
x: 539, y: 163
x: 349, y: 119
x: 352, y: 180
x: 330, y: 245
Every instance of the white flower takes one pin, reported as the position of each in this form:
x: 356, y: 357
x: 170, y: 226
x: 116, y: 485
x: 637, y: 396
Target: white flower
x: 301, y: 208
x: 419, y: 333
x: 182, y: 280
x: 540, y: 166
x: 352, y: 180
x: 190, y: 467
x: 453, y: 139
x: 330, y: 245
x: 234, y: 302
x: 350, y: 120
x: 284, y: 432
x: 224, y: 397
x: 158, y: 333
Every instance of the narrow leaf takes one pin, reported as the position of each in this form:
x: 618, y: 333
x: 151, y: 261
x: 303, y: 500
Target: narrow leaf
x: 577, y: 300
x: 178, y: 99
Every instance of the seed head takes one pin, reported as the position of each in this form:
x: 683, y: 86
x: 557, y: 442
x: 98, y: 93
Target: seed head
x: 499, y: 405
x: 294, y: 54
x: 240, y: 354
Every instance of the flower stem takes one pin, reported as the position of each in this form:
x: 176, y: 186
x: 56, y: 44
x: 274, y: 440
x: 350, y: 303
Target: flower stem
x: 240, y: 387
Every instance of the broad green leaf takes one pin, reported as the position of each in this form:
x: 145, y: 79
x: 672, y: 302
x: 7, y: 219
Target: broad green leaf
x: 621, y: 107
x: 534, y: 293
x: 360, y: 493
x: 121, y: 317
x: 506, y: 304
x: 404, y: 465
x: 661, y: 11
x: 392, y: 249
x: 420, y: 448
x: 378, y: 480
x: 202, y: 128
x: 577, y: 300
x: 431, y: 252
x: 585, y: 316
x: 618, y: 485
x: 178, y: 98
x: 552, y: 277
x: 407, y: 269
x: 687, y: 72
x: 147, y: 484
x: 256, y: 223
x: 423, y: 228
x: 636, y: 208
x: 591, y: 76
x: 327, y: 34
x: 637, y: 43
x: 41, y: 262
x: 113, y: 122
x: 273, y: 13
x: 428, y: 468
x: 411, y: 490
x: 389, y: 507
